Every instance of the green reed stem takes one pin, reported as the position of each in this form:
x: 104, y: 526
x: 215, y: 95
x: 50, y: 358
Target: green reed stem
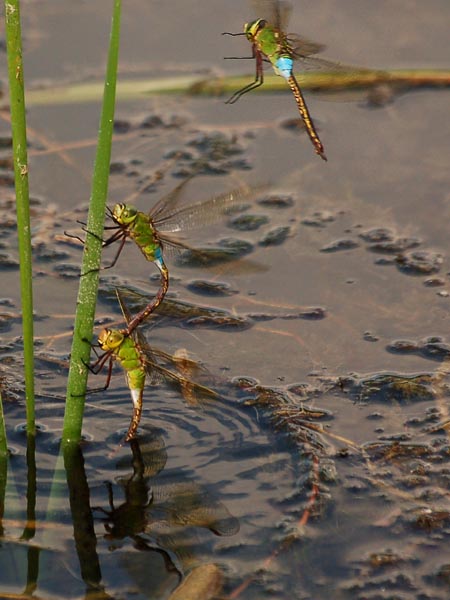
x: 87, y: 292
x: 3, y: 439
x: 19, y: 136
x: 3, y: 466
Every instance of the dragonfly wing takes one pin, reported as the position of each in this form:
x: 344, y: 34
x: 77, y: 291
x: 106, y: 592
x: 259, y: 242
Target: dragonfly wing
x: 187, y: 369
x: 123, y: 307
x: 182, y: 382
x: 203, y: 213
x: 325, y: 65
x: 275, y: 12
x: 172, y: 246
x: 176, y: 360
x: 302, y: 47
x: 167, y: 204
x: 205, y: 257
x: 154, y: 375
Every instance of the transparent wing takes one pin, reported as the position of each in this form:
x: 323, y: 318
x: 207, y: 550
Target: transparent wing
x: 167, y: 204
x: 275, y: 12
x: 201, y: 213
x: 174, y: 247
x: 194, y: 388
x: 123, y: 307
x: 325, y: 65
x: 155, y: 371
x: 177, y: 361
x: 303, y: 51
x: 187, y: 504
x: 302, y: 47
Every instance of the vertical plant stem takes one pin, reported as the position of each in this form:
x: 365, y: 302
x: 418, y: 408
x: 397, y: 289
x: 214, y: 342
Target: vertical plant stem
x: 3, y: 440
x: 19, y: 136
x: 3, y: 466
x: 87, y: 293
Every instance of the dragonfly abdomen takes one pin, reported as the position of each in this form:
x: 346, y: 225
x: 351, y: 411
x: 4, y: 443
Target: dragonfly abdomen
x: 135, y: 380
x: 304, y: 113
x: 135, y: 419
x: 283, y: 66
x: 135, y: 375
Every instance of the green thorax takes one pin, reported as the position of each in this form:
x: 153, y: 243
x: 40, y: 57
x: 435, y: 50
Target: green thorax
x: 268, y: 40
x: 139, y: 227
x: 127, y: 353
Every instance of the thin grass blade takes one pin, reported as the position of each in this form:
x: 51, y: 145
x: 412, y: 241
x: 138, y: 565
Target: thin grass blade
x: 87, y: 293
x: 19, y: 136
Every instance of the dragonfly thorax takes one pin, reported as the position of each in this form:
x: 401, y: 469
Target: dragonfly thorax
x: 110, y: 339
x: 252, y: 28
x: 124, y: 214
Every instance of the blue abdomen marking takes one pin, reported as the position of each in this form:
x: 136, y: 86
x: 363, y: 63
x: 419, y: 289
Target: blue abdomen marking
x: 159, y: 254
x: 284, y: 65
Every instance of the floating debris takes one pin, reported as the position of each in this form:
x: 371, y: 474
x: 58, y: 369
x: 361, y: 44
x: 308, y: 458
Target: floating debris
x: 248, y: 222
x: 277, y: 201
x: 338, y: 245
x: 389, y: 387
x: 275, y: 237
x: 211, y: 288
x: 434, y: 348
x: 421, y: 262
x: 319, y: 219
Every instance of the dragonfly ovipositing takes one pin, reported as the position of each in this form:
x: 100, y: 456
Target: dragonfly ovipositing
x: 140, y: 363
x: 270, y: 42
x: 151, y: 231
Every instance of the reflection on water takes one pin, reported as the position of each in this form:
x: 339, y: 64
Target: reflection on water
x: 162, y: 516
x: 329, y: 445
x: 161, y: 509
x: 156, y: 527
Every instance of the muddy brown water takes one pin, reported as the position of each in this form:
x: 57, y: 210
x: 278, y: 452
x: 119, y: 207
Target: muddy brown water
x: 324, y: 471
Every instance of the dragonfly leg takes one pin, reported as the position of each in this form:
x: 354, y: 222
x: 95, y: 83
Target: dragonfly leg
x: 84, y: 228
x: 96, y: 368
x: 119, y: 235
x: 73, y: 237
x: 112, y: 239
x: 110, y: 495
x: 234, y: 34
x: 98, y: 365
x: 238, y: 57
x: 251, y: 86
x: 259, y: 79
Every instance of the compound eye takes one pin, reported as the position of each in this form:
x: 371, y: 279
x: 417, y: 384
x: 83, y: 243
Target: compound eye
x: 118, y: 210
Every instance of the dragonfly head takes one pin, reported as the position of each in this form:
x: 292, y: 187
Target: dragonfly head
x: 110, y: 339
x: 252, y: 28
x: 124, y: 214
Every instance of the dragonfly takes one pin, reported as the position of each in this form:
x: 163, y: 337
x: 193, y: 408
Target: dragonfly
x: 165, y: 514
x: 142, y: 363
x: 152, y: 231
x: 270, y: 43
